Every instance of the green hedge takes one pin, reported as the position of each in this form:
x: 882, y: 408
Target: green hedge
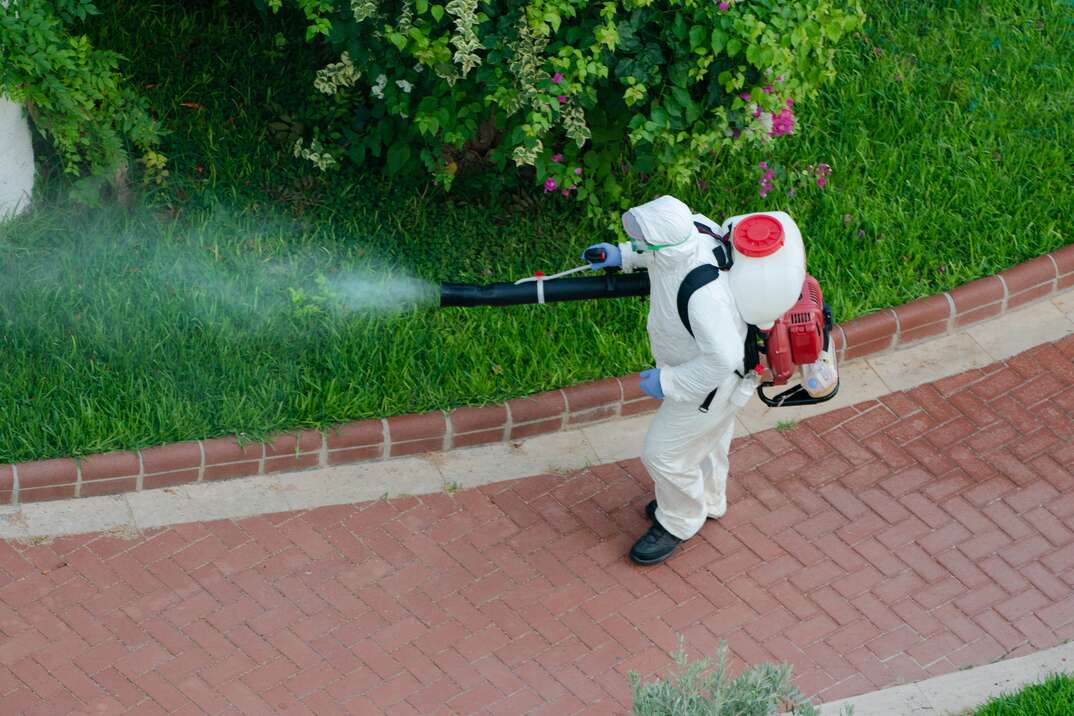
x: 584, y: 93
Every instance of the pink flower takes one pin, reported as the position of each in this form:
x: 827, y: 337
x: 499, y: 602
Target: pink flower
x: 779, y: 78
x: 782, y: 123
x: 768, y: 89
x: 736, y: 132
x: 557, y: 158
x: 549, y: 184
x: 565, y: 192
x: 757, y: 111
x: 790, y: 102
x: 745, y: 96
x: 821, y: 181
x: 762, y: 165
x: 769, y: 174
x: 578, y: 171
x: 562, y: 99
x: 557, y: 78
x: 724, y: 6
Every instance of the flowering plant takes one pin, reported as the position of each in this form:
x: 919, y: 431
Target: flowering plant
x: 580, y: 91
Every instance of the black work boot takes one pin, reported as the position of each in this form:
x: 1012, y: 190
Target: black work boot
x: 650, y: 510
x: 655, y: 546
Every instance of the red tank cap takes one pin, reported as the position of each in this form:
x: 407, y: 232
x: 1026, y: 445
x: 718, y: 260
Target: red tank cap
x: 758, y: 236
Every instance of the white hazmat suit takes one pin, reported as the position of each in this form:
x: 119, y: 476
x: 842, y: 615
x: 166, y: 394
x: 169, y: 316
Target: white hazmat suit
x: 686, y: 450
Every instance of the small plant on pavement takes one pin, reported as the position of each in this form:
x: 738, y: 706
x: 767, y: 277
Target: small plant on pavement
x: 702, y: 688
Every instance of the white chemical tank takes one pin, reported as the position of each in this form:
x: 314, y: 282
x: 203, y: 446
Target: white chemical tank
x: 769, y: 267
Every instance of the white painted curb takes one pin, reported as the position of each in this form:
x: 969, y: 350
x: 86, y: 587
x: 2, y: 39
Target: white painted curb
x: 16, y: 160
x: 961, y: 691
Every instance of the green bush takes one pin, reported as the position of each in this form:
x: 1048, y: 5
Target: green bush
x: 73, y: 91
x: 582, y: 92
x: 704, y: 689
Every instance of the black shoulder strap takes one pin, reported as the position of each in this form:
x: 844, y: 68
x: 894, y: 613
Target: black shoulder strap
x: 724, y: 255
x: 700, y: 276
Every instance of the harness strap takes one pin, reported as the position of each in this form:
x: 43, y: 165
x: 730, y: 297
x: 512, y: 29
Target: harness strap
x: 700, y: 276
x: 723, y: 251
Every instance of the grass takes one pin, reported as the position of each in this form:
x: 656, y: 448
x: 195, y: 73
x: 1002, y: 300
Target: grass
x: 1052, y: 697
x: 201, y: 314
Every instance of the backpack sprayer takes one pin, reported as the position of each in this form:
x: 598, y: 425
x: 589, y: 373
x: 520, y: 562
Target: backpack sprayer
x: 799, y: 338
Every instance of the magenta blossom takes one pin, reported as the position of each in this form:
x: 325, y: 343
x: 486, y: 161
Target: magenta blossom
x: 549, y: 184
x: 768, y: 89
x: 578, y: 171
x: 724, y: 6
x: 790, y: 102
x: 782, y: 123
x: 821, y: 181
x: 745, y: 96
x: 557, y: 78
x: 565, y: 192
x: 557, y: 158
x: 762, y: 165
x: 562, y: 99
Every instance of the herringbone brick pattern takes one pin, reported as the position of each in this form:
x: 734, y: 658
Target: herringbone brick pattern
x: 896, y: 540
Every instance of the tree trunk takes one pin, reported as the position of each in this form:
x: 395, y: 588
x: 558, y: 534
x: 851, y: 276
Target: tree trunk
x: 16, y: 160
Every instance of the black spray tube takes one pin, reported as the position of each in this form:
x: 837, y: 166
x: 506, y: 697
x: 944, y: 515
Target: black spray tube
x: 611, y: 285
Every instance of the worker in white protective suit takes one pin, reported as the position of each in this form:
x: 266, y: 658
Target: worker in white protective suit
x: 686, y: 449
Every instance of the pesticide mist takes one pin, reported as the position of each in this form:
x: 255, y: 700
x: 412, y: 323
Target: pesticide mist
x: 247, y: 275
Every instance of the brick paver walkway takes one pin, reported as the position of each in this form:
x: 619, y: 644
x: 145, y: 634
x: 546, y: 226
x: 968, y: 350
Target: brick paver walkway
x: 893, y: 541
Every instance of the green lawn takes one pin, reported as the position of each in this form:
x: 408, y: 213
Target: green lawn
x: 1052, y: 697
x: 222, y: 306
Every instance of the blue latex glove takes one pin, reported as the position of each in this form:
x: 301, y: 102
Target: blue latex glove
x: 613, y: 258
x: 650, y: 383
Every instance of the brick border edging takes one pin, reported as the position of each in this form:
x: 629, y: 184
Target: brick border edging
x: 366, y: 440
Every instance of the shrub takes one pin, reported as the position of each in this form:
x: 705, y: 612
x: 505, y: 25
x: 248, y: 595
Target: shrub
x: 73, y: 91
x: 704, y: 689
x: 583, y: 92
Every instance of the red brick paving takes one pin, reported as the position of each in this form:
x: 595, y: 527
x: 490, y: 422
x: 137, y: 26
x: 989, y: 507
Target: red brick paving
x: 904, y: 538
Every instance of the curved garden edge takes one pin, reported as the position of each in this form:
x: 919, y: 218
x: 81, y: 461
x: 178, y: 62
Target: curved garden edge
x: 367, y: 440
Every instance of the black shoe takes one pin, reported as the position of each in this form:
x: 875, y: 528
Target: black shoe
x: 650, y: 510
x: 655, y: 546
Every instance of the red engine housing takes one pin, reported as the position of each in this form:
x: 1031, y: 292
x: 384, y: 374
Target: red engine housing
x: 797, y: 338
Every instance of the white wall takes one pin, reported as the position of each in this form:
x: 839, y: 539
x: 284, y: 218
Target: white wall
x: 16, y: 158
